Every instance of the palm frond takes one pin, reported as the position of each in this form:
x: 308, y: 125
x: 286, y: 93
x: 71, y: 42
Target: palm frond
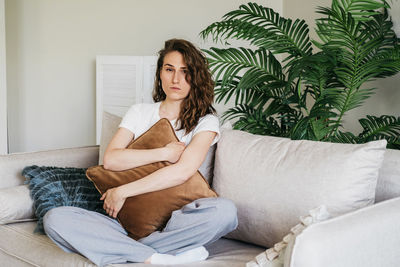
x: 375, y: 128
x: 264, y: 28
x: 253, y: 120
x: 227, y: 91
x: 344, y: 137
x: 337, y: 28
x: 363, y: 56
x: 360, y: 9
x: 221, y: 31
x: 346, y: 100
x: 262, y: 72
x: 311, y: 129
x: 380, y: 27
x: 315, y: 70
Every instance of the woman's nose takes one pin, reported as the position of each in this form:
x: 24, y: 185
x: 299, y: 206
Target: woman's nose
x: 175, y: 77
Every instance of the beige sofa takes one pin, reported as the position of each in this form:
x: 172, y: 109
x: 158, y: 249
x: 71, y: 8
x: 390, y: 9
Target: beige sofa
x: 367, y: 235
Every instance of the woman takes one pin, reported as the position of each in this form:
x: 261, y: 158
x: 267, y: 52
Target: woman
x: 183, y: 93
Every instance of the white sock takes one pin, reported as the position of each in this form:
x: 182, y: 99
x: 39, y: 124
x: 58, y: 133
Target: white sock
x: 192, y: 255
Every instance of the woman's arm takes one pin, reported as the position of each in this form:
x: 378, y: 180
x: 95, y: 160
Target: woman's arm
x: 118, y: 158
x: 175, y: 174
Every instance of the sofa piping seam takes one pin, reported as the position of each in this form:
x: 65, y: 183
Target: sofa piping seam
x: 15, y: 256
x: 28, y: 235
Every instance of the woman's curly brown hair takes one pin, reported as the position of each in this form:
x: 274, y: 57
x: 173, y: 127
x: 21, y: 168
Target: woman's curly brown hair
x: 199, y: 101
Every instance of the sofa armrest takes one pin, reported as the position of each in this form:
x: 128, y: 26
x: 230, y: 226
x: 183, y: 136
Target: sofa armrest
x: 11, y: 165
x: 368, y: 237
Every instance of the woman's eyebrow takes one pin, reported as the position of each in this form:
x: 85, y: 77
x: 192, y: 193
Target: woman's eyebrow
x: 170, y: 65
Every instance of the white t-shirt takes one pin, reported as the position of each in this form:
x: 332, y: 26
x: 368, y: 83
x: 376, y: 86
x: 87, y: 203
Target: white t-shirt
x: 140, y: 117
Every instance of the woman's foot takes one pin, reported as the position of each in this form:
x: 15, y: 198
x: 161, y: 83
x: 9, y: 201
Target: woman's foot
x: 192, y: 255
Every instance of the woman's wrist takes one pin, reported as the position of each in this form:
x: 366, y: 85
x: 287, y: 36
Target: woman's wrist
x: 122, y: 192
x: 163, y: 153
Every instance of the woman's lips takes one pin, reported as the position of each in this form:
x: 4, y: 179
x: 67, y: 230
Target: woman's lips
x: 175, y: 88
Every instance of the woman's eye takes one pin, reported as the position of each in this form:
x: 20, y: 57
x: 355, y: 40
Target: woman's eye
x: 168, y: 69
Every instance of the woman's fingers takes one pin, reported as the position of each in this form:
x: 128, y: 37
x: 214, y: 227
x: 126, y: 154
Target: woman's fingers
x: 105, y: 204
x: 109, y: 211
x: 114, y: 214
x: 175, y: 149
x: 112, y: 204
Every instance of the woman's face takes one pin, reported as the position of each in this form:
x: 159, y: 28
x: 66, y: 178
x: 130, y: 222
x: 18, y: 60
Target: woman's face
x: 173, y: 76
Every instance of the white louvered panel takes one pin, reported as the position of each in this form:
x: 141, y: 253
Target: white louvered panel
x: 149, y: 71
x: 122, y: 81
x: 121, y: 86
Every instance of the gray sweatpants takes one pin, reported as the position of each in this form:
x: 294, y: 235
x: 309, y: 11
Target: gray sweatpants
x: 104, y: 241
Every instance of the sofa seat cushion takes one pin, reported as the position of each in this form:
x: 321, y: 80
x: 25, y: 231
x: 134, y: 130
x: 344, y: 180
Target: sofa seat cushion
x: 19, y: 246
x: 18, y: 241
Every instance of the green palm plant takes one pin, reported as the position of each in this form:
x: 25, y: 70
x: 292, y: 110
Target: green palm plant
x: 305, y: 94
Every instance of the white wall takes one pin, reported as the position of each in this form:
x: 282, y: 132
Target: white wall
x: 386, y: 100
x: 3, y: 89
x: 51, y: 49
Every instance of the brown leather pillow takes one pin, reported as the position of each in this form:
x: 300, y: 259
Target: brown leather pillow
x: 143, y: 214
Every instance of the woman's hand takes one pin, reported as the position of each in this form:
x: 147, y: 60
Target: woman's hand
x: 174, y: 151
x: 113, y: 201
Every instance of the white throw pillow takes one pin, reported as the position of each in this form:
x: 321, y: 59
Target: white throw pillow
x: 274, y: 180
x: 16, y: 205
x: 279, y: 255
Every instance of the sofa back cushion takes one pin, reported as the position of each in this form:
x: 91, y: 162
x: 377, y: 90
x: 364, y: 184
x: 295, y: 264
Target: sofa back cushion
x: 275, y: 180
x: 11, y: 165
x: 389, y: 177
